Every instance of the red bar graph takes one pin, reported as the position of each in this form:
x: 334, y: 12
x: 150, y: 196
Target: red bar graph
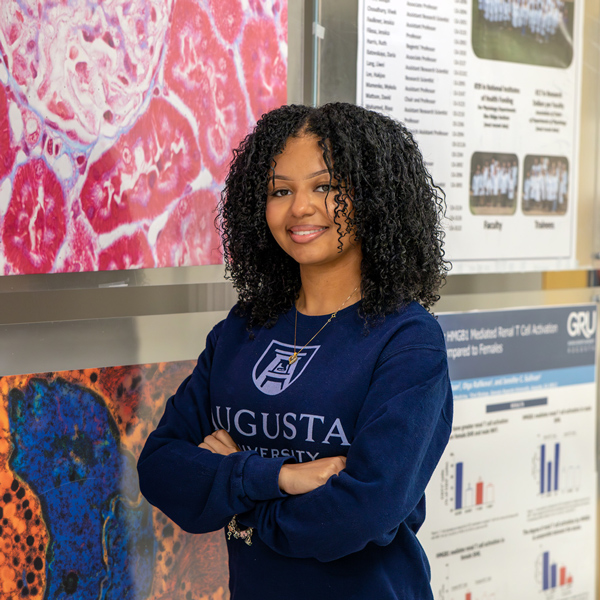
x: 479, y: 493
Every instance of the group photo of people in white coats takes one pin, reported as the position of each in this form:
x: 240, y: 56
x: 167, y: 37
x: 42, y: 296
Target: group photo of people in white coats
x: 528, y: 31
x: 494, y: 183
x: 545, y: 185
x: 540, y: 18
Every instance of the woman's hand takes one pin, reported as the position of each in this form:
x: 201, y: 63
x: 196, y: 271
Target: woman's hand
x: 219, y: 442
x: 296, y: 478
x: 300, y: 478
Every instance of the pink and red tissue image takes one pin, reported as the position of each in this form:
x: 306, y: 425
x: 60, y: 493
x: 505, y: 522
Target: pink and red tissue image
x: 117, y: 124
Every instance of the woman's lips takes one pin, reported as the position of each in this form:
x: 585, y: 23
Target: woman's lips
x: 305, y: 234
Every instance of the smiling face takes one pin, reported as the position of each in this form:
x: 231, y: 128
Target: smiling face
x: 300, y: 210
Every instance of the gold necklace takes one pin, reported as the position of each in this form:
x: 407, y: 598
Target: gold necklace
x: 294, y: 357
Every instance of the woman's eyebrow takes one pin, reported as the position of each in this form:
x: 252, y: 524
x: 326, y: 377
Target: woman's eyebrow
x: 309, y: 176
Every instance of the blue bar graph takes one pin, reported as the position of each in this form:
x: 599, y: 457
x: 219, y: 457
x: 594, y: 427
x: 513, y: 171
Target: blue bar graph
x: 458, y: 486
x: 546, y: 571
x: 542, y: 467
x: 556, y: 458
x: 549, y: 469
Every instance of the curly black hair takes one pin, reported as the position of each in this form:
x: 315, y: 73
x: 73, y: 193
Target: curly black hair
x: 397, y: 211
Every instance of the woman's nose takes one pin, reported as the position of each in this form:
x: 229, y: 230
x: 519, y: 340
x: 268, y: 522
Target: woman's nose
x: 303, y: 203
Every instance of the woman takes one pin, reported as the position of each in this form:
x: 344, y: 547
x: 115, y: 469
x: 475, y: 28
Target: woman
x: 321, y: 405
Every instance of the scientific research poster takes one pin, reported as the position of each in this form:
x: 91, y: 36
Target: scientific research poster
x: 490, y: 90
x: 511, y: 508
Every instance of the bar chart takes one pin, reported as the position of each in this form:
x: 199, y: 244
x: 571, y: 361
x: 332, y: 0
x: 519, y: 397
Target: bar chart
x: 553, y: 574
x: 468, y: 494
x: 549, y: 468
x: 482, y: 590
x: 551, y: 473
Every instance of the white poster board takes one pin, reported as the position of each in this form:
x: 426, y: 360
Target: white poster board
x: 511, y: 508
x: 490, y: 90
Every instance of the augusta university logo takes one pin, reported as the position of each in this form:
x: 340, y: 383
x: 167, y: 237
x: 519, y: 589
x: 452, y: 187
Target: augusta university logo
x: 273, y: 373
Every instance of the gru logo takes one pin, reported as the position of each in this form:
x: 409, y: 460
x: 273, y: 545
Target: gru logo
x: 273, y: 373
x: 582, y: 322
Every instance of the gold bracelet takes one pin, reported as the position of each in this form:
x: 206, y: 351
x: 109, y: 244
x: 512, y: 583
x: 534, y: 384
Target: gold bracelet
x: 233, y: 529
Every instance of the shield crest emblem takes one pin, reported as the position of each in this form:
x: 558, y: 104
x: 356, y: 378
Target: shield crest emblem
x: 273, y: 373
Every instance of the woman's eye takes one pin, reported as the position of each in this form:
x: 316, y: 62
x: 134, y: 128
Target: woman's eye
x: 325, y: 187
x: 280, y: 193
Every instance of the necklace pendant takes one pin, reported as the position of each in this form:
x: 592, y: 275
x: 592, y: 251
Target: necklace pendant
x: 293, y: 358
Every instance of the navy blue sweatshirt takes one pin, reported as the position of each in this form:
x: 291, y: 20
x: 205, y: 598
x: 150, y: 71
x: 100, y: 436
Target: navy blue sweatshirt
x: 383, y: 400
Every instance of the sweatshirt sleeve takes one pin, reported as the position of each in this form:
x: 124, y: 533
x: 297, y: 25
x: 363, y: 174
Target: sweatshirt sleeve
x: 402, y: 430
x: 199, y: 490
